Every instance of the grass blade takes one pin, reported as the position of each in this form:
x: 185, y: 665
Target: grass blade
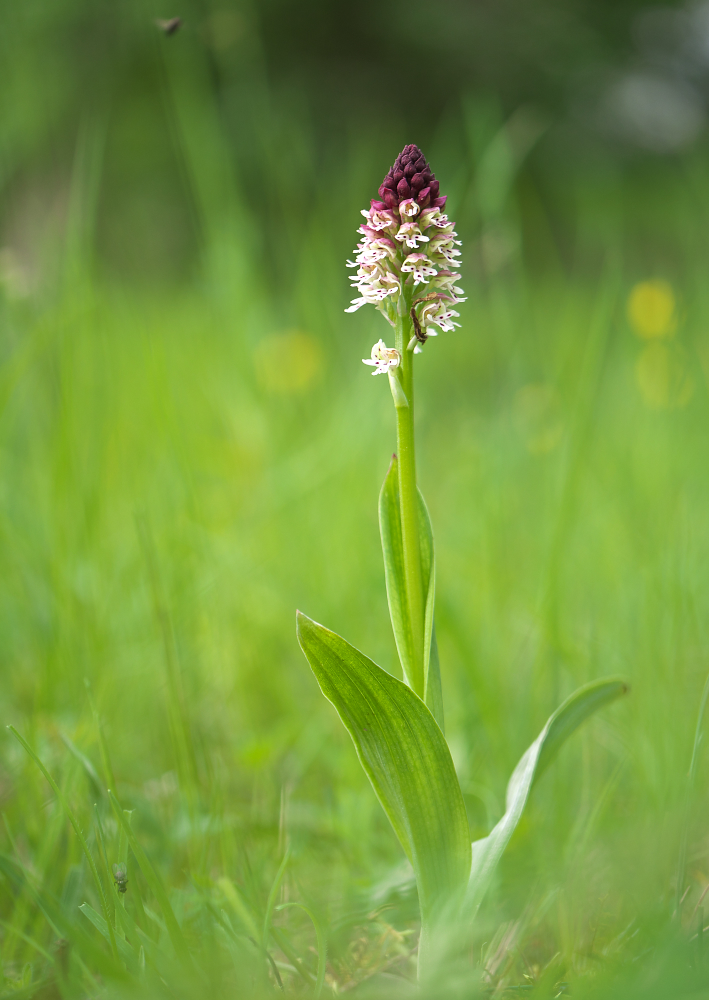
x: 272, y: 899
x: 103, y: 928
x: 85, y: 763
x: 322, y: 944
x: 239, y: 907
x: 29, y: 940
x: 156, y: 887
x: 110, y: 781
x: 77, y: 830
x: 689, y: 791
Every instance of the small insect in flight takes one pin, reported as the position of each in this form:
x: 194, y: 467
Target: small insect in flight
x: 170, y: 26
x: 120, y: 877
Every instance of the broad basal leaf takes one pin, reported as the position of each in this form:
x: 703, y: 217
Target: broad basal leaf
x: 393, y: 548
x: 567, y: 718
x: 406, y: 758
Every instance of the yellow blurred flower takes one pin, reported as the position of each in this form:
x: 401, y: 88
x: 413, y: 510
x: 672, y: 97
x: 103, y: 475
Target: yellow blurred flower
x: 652, y: 309
x: 663, y: 377
x: 287, y: 363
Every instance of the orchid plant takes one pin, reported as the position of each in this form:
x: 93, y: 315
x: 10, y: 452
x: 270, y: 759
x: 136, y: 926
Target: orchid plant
x: 407, y: 267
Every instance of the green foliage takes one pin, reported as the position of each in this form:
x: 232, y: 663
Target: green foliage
x: 190, y: 449
x: 77, y: 830
x: 567, y: 718
x: 390, y: 528
x: 406, y: 758
x: 153, y: 879
x: 341, y: 670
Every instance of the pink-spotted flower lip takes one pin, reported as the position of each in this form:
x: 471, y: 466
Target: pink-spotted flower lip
x: 419, y: 266
x: 410, y: 234
x: 384, y: 359
x: 437, y: 314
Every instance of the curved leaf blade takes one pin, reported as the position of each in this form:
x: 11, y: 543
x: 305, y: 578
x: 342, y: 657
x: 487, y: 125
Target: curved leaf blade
x: 405, y: 757
x: 567, y: 718
x: 393, y: 549
x: 578, y: 707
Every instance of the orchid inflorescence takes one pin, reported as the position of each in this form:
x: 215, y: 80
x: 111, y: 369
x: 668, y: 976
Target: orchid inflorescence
x: 409, y: 249
x: 407, y: 266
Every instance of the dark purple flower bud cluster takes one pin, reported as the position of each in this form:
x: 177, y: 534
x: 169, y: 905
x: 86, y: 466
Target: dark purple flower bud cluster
x: 410, y: 177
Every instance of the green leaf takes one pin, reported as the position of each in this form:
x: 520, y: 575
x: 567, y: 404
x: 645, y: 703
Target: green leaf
x: 393, y: 548
x: 406, y: 758
x: 575, y: 710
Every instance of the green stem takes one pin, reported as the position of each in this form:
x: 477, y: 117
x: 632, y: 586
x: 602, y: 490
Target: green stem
x: 408, y: 500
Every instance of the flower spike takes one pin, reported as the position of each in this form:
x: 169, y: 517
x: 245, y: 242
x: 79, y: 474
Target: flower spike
x: 408, y: 248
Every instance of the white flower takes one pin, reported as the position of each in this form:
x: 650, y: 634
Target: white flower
x: 380, y: 219
x: 443, y: 241
x: 444, y: 285
x: 449, y: 256
x: 410, y: 234
x: 374, y: 285
x: 384, y: 359
x: 437, y: 314
x: 434, y: 216
x: 370, y: 251
x: 420, y: 266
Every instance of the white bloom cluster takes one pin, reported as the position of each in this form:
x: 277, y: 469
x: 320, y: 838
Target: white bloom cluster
x: 412, y: 246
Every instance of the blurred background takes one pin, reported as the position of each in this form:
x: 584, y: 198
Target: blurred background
x: 190, y: 448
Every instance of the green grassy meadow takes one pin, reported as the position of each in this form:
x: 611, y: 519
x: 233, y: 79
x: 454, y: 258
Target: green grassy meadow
x: 189, y: 456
